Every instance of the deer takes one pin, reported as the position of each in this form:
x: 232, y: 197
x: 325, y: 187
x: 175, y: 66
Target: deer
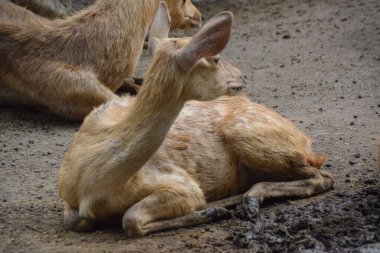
x: 69, y: 66
x: 183, y: 149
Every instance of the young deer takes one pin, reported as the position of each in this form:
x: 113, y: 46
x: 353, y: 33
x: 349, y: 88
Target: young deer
x: 210, y: 150
x: 70, y: 66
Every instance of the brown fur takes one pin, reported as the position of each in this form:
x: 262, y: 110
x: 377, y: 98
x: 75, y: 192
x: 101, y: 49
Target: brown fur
x: 121, y: 163
x: 70, y: 66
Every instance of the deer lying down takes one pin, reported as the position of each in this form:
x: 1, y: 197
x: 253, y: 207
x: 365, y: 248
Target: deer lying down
x: 70, y: 66
x: 157, y: 158
x: 183, y: 13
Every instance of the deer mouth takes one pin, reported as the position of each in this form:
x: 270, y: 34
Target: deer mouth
x: 235, y: 87
x: 193, y: 22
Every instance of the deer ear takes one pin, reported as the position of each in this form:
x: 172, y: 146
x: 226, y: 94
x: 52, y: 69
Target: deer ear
x: 160, y: 27
x: 209, y: 41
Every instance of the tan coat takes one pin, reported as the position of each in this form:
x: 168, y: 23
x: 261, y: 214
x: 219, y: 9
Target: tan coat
x: 70, y: 66
x: 156, y: 159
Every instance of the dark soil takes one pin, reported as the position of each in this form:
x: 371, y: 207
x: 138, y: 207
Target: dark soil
x: 315, y: 61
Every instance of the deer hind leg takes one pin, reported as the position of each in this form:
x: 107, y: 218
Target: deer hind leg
x: 319, y: 183
x: 130, y: 86
x: 168, y: 208
x: 251, y: 200
x: 65, y: 90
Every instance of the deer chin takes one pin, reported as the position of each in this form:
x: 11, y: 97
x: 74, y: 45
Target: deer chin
x: 235, y: 88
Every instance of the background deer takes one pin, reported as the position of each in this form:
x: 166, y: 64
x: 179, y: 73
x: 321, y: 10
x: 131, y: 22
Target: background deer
x: 70, y: 66
x: 210, y: 150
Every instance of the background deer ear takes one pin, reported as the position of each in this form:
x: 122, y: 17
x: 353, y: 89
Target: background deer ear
x: 160, y: 27
x: 209, y: 41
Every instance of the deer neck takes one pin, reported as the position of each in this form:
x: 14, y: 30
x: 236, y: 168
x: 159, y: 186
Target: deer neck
x: 108, y: 37
x: 147, y: 123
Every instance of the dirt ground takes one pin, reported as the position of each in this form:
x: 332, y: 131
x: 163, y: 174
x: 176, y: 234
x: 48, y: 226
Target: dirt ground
x: 315, y: 61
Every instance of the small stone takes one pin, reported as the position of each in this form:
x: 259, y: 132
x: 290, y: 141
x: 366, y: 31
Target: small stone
x: 370, y: 181
x: 352, y: 123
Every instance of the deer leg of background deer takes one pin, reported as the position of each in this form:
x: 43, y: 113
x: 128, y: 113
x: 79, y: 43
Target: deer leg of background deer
x: 65, y: 90
x: 131, y: 86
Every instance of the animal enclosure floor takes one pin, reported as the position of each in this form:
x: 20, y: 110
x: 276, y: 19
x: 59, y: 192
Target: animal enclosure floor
x: 316, y: 62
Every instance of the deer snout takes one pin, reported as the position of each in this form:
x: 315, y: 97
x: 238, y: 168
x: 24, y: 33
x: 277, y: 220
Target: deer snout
x: 193, y: 16
x: 194, y: 22
x: 236, y: 86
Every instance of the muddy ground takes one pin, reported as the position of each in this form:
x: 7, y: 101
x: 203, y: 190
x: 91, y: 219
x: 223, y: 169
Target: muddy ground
x: 315, y: 61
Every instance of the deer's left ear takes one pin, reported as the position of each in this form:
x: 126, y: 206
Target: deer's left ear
x: 209, y: 41
x: 160, y: 27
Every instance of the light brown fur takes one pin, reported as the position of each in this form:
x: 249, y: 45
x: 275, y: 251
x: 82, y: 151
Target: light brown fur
x: 70, y: 66
x: 121, y: 163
